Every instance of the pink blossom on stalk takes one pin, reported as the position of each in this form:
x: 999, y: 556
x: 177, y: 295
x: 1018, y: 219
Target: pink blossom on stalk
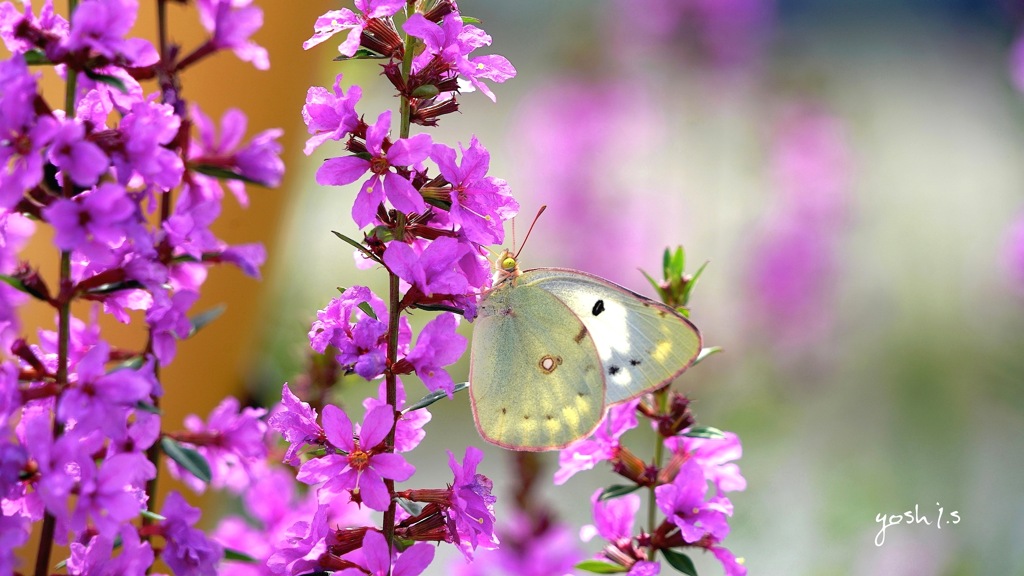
x: 188, y: 549
x: 356, y: 466
x: 78, y: 158
x: 384, y: 182
x: 378, y: 559
x: 733, y: 566
x: 330, y: 116
x: 25, y: 133
x: 232, y: 442
x: 603, y: 445
x: 97, y: 557
x: 336, y: 21
x: 47, y: 24
x: 296, y: 421
x: 715, y: 457
x: 146, y: 129
x: 14, y: 532
x: 1017, y: 63
x: 526, y: 551
x: 452, y: 42
x: 258, y: 161
x: 409, y: 428
x: 471, y: 514
x: 232, y: 23
x: 644, y: 568
x: 438, y: 345
x: 613, y: 518
x: 92, y: 222
x: 304, y: 544
x: 480, y: 203
x: 683, y: 503
x: 168, y: 322
x: 101, y: 400
x: 100, y: 26
x: 446, y: 266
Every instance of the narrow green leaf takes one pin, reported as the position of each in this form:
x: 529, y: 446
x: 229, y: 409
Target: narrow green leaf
x: 666, y: 262
x: 680, y: 561
x: 230, y: 554
x: 705, y: 432
x: 616, y: 490
x: 361, y: 54
x: 221, y: 173
x: 445, y: 205
x: 133, y: 363
x: 15, y: 283
x: 435, y: 396
x: 705, y: 352
x: 470, y: 20
x: 439, y: 308
x: 413, y: 508
x: 367, y: 309
x: 678, y: 263
x: 36, y: 57
x: 199, y: 321
x: 188, y: 458
x: 112, y: 81
x: 425, y: 91
x: 152, y: 516
x: 147, y: 407
x: 112, y: 287
x: 693, y: 280
x: 654, y: 283
x: 357, y: 246
x: 600, y: 567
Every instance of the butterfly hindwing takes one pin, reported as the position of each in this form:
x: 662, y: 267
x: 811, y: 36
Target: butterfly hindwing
x: 535, y: 376
x: 642, y: 343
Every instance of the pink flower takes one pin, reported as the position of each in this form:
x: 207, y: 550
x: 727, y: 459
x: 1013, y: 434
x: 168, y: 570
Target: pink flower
x: 613, y: 518
x: 480, y: 203
x: 296, y: 421
x: 409, y: 428
x: 683, y: 504
x: 438, y: 345
x: 337, y: 21
x: 357, y: 466
x: 715, y: 457
x: 188, y: 549
x: 377, y: 559
x: 232, y: 23
x: 471, y: 514
x: 330, y: 116
x: 603, y: 445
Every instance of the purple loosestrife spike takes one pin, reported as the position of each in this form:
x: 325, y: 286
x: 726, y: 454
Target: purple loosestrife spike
x: 603, y: 445
x: 78, y: 158
x: 330, y: 116
x: 715, y: 457
x: 480, y: 203
x: 336, y: 21
x: 409, y: 428
x: 437, y: 346
x: 613, y: 518
x: 188, y: 549
x: 232, y: 23
x: 305, y: 543
x: 26, y: 135
x: 378, y: 561
x: 99, y: 28
x: 296, y: 421
x: 97, y: 558
x: 683, y: 504
x: 471, y: 514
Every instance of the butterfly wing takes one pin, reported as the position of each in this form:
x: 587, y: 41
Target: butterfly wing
x: 642, y: 343
x: 535, y: 376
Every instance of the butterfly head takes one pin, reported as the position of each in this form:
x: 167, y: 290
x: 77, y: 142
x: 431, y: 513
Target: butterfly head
x: 505, y: 266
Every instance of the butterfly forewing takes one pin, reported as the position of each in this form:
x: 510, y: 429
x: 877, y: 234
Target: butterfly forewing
x: 642, y: 344
x: 535, y: 377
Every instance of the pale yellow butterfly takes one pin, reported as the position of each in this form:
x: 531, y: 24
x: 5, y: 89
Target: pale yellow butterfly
x: 553, y: 348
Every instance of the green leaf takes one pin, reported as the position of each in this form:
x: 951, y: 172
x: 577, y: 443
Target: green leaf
x: 693, y: 280
x: 199, y: 321
x: 425, y: 91
x: 705, y: 432
x: 704, y: 353
x: 36, y: 57
x: 445, y: 205
x: 221, y: 173
x: 434, y: 397
x: 654, y: 283
x: 230, y: 554
x: 413, y: 508
x: 147, y: 407
x: 680, y: 561
x: 367, y: 309
x: 469, y: 20
x: 357, y: 246
x: 666, y: 261
x: 187, y: 458
x: 361, y: 54
x: 439, y: 308
x: 678, y: 264
x: 15, y: 283
x: 112, y: 287
x: 600, y: 567
x: 616, y: 490
x: 152, y: 516
x: 133, y: 363
x: 107, y: 79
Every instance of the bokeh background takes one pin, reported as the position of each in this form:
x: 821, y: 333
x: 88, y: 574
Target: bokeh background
x: 850, y: 168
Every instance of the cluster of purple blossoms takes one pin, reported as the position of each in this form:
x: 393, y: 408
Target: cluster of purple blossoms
x: 692, y: 517
x: 427, y: 212
x: 131, y: 193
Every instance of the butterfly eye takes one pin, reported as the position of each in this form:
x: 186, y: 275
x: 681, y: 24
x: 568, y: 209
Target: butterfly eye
x: 508, y: 264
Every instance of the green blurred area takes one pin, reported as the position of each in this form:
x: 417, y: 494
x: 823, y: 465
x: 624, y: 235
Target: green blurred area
x: 911, y: 395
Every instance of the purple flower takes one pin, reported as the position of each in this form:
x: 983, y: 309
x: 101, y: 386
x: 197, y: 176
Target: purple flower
x: 438, y: 345
x: 232, y: 23
x: 480, y: 203
x: 100, y: 26
x: 644, y: 568
x: 409, y: 427
x: 471, y: 515
x: 377, y: 559
x: 383, y: 182
x: 49, y: 24
x: 96, y: 558
x: 359, y: 468
x: 168, y: 321
x: 232, y: 442
x: 715, y: 457
x: 603, y: 445
x: 446, y: 266
x: 613, y: 518
x: 146, y: 129
x: 101, y: 400
x: 733, y: 566
x: 336, y: 21
x: 361, y: 344
x: 527, y: 549
x: 93, y: 221
x: 78, y: 158
x: 258, y: 161
x: 296, y: 421
x: 14, y: 532
x: 25, y: 134
x: 683, y: 504
x: 304, y: 543
x: 452, y: 42
x: 330, y: 116
x: 188, y: 550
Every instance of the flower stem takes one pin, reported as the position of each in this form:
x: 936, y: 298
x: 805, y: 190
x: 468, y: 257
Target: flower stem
x: 63, y: 330
x: 660, y: 402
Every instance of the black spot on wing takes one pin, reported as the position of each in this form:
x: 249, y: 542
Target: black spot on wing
x: 613, y: 370
x: 504, y: 410
x: 634, y: 362
x: 598, y: 307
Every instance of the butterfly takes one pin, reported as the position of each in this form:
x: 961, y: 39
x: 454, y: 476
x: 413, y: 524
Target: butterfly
x: 553, y: 348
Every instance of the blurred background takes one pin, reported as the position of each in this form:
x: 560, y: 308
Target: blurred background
x: 850, y: 168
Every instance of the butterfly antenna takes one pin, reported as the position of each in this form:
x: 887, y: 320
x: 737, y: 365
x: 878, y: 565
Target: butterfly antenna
x: 535, y: 218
